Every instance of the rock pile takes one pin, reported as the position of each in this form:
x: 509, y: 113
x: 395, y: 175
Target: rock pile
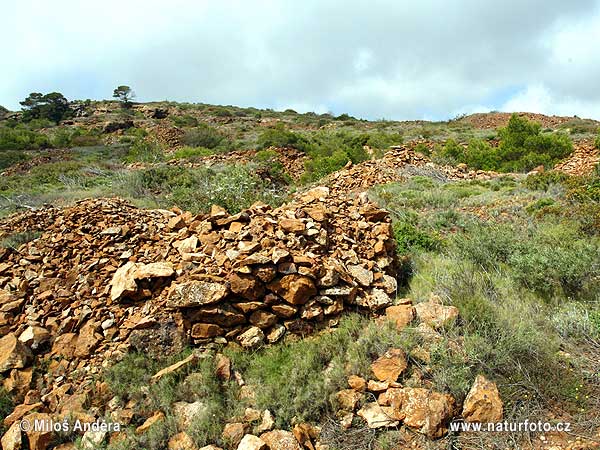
x: 169, y: 136
x: 105, y: 277
x: 494, y: 120
x: 391, y: 168
x: 582, y: 161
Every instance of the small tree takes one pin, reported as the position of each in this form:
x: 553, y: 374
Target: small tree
x: 125, y: 94
x: 53, y: 106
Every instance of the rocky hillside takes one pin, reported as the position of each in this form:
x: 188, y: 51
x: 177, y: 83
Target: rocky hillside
x: 282, y: 296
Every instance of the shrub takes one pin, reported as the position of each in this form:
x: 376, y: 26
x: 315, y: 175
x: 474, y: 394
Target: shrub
x: 203, y: 136
x: 278, y: 136
x: 184, y: 121
x: 232, y: 187
x: 597, y: 141
x: 22, y: 139
x: 452, y: 151
x: 15, y: 240
x: 192, y: 152
x: 409, y: 238
x: 550, y: 260
x: 297, y: 380
x: 11, y: 157
x: 144, y: 150
x: 523, y: 147
x: 544, y: 180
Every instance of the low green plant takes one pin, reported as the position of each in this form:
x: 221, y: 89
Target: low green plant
x: 203, y: 136
x: 192, y: 152
x: 15, y: 240
x: 297, y: 380
x: 184, y: 121
x: 6, y: 406
x: 11, y: 157
x: 144, y: 150
x: 22, y: 139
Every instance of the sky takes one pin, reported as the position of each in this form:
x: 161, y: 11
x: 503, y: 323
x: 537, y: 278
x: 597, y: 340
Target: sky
x: 375, y: 59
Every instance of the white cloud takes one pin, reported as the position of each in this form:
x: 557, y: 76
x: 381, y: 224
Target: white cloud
x: 382, y: 58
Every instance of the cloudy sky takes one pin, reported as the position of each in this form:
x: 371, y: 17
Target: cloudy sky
x: 393, y: 59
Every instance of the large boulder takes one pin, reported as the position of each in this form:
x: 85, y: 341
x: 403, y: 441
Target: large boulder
x: 483, y: 403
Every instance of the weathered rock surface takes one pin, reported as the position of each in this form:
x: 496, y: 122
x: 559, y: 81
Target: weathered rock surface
x: 389, y: 366
x: 483, y: 403
x: 13, y: 353
x: 434, y: 313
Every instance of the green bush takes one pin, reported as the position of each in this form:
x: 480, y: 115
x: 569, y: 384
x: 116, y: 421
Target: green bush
x: 184, y: 121
x: 278, y: 136
x: 551, y: 260
x: 232, y: 187
x: 203, y: 136
x: 22, y: 139
x: 192, y: 152
x: 597, y: 141
x: 144, y: 150
x: 11, y: 157
x: 544, y: 180
x: 297, y: 380
x: 522, y: 148
x: 409, y: 238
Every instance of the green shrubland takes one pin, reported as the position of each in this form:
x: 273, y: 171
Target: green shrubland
x: 522, y: 147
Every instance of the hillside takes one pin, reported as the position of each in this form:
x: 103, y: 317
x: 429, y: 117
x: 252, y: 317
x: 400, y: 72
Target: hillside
x: 220, y: 277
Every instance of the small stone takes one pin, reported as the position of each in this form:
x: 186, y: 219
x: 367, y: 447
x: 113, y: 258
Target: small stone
x: 34, y: 337
x: 262, y: 319
x: 158, y: 416
x: 389, y: 366
x: 13, y: 353
x: 377, y: 416
x: 434, y: 313
x: 233, y: 433
x: 292, y: 225
x: 347, y: 399
x: 357, y: 383
x: 195, y: 293
x: 251, y: 442
x: 280, y: 440
x: 186, y: 413
x: 252, y: 338
x: 268, y: 422
x: 206, y: 330
x: 276, y: 333
x: 295, y: 289
x: 178, y: 366
x: 401, y: 315
x: 13, y: 439
x: 362, y: 275
x: 183, y: 441
x: 246, y: 285
x: 483, y: 403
